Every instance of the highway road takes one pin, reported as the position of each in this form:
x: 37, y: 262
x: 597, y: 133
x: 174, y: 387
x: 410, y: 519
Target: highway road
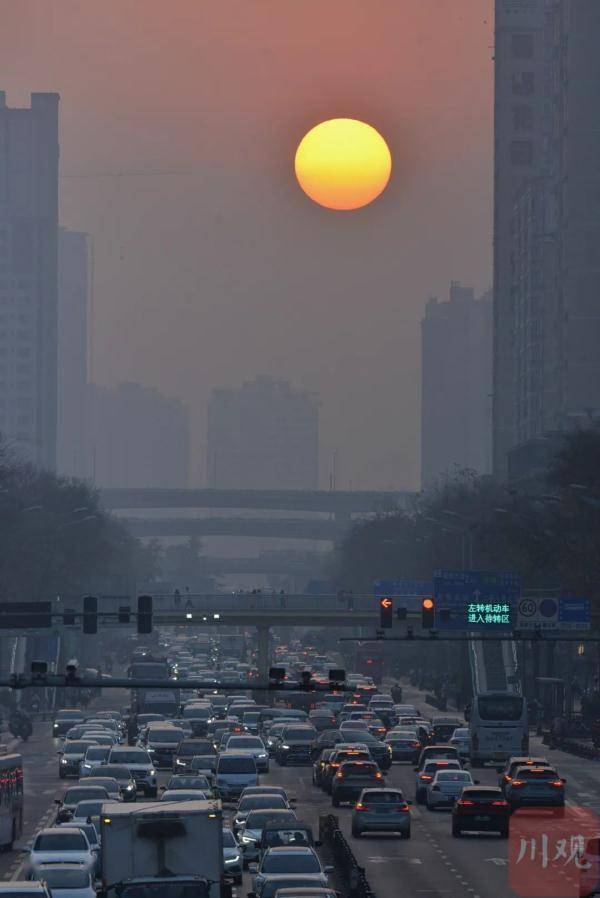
x: 432, y: 863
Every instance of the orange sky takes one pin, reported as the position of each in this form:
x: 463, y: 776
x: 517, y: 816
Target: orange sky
x: 211, y: 277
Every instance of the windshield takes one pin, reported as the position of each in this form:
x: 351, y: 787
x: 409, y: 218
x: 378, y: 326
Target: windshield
x: 197, y: 713
x: 257, y: 819
x: 132, y: 757
x: 60, y: 842
x: 191, y: 749
x: 245, y: 742
x: 297, y: 735
x: 296, y: 863
x: 453, y: 777
x: 383, y: 798
x: 119, y: 773
x: 67, y: 879
x: 500, y: 707
x: 165, y: 735
x: 261, y: 801
x: 97, y: 754
x: 74, y: 796
x: 236, y: 765
x: 76, y: 748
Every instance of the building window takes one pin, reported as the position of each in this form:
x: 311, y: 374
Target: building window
x: 523, y: 118
x: 521, y: 152
x: 522, y: 46
x: 523, y: 84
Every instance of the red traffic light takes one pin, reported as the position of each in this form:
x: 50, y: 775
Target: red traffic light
x: 428, y: 613
x: 428, y: 604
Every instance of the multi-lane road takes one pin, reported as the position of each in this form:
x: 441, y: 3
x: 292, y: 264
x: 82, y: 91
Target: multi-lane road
x: 432, y: 863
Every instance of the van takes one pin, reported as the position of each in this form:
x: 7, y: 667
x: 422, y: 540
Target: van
x: 235, y: 772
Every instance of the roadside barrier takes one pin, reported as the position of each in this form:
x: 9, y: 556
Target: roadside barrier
x: 347, y: 869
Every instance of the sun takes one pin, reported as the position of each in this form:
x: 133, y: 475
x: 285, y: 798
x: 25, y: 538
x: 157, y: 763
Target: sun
x: 343, y: 163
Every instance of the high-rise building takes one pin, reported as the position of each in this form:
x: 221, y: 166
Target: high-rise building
x: 518, y: 142
x: 264, y: 435
x: 456, y: 366
x: 74, y: 293
x: 137, y: 437
x: 547, y: 228
x: 28, y: 277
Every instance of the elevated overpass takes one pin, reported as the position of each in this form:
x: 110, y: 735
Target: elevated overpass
x: 324, y: 529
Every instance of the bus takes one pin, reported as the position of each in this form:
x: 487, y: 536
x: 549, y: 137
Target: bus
x: 498, y: 727
x: 368, y: 661
x: 11, y: 800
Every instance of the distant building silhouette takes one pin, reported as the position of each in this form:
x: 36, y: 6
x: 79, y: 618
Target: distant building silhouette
x: 137, y: 437
x: 456, y: 366
x: 28, y: 277
x: 74, y: 293
x: 264, y: 435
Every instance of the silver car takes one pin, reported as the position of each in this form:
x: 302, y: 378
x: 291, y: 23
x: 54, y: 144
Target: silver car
x: 445, y: 788
x: 60, y: 844
x: 381, y: 810
x: 460, y: 740
x: 68, y: 881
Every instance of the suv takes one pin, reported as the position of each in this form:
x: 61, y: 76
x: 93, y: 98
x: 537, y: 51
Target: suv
x: 71, y: 756
x: 381, y: 810
x: 535, y: 787
x: 65, y: 719
x: 379, y: 751
x: 351, y: 778
x: 141, y: 766
x: 188, y: 749
x: 426, y: 775
x: 513, y: 764
x: 481, y: 809
x: 296, y: 745
x: 437, y: 752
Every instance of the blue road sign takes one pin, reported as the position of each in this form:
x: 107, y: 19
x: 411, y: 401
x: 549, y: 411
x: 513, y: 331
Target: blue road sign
x: 475, y: 600
x: 411, y: 591
x: 574, y: 613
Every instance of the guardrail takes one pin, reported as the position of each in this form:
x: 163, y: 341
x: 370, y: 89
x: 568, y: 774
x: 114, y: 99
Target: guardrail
x: 348, y: 871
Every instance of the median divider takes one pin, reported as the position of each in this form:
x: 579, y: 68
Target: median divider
x: 349, y: 874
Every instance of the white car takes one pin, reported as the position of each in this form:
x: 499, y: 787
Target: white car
x: 460, y: 741
x: 68, y: 880
x: 445, y: 788
x: 57, y: 845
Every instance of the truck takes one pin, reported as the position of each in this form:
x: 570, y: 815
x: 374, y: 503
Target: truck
x: 163, y: 850
x: 153, y: 700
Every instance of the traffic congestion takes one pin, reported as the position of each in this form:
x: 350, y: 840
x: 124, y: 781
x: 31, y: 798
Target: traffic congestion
x: 217, y: 791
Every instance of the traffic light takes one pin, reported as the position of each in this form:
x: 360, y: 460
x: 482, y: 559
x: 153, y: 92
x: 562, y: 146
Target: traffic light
x: 90, y: 615
x: 386, y: 612
x: 401, y: 613
x: 144, y: 614
x: 428, y: 613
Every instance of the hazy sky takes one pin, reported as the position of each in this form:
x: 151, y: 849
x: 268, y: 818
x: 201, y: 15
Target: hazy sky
x: 227, y: 270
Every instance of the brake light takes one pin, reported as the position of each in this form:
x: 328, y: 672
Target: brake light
x: 426, y: 777
x: 401, y: 808
x: 500, y: 804
x: 558, y: 783
x: 361, y: 807
x: 378, y: 775
x: 465, y: 802
x: 518, y: 782
x: 507, y: 778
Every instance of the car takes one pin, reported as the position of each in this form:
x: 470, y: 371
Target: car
x: 140, y: 764
x: 233, y: 862
x: 161, y: 740
x: 60, y: 844
x: 481, y: 809
x: 247, y: 744
x: 203, y: 764
x: 295, y: 745
x: 276, y: 834
x: 507, y: 772
x: 75, y: 794
x: 68, y: 880
x: 379, y: 751
x: 254, y: 803
x: 322, y: 719
x: 433, y: 752
x: 183, y: 795
x: 426, y: 775
x: 124, y: 778
x: 71, y: 754
x: 320, y: 765
x: 535, y: 787
x: 351, y: 778
x: 443, y: 728
x: 381, y: 810
x: 234, y: 773
x: 189, y: 749
x: 267, y: 790
x: 404, y: 743
x: 250, y: 832
x: 95, y: 756
x: 85, y: 811
x: 279, y: 883
x: 306, y: 892
x: 343, y: 752
x: 274, y: 737
x: 301, y: 861
x: 460, y: 740
x: 326, y: 739
x: 108, y: 783
x: 66, y: 718
x: 195, y: 782
x: 445, y: 788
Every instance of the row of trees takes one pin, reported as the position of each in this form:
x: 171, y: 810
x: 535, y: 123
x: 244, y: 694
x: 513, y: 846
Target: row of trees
x: 547, y: 529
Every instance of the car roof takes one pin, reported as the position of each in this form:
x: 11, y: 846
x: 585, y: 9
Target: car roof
x: 291, y: 849
x: 53, y: 830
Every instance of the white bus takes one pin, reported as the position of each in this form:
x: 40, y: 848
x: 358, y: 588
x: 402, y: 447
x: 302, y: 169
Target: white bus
x: 11, y: 800
x: 498, y: 727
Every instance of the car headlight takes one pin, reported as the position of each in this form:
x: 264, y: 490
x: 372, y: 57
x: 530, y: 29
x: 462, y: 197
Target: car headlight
x: 64, y: 761
x: 55, y: 726
x: 389, y: 748
x: 263, y: 755
x: 248, y: 840
x: 233, y: 860
x: 286, y: 747
x: 153, y: 772
x: 129, y: 787
x: 181, y: 763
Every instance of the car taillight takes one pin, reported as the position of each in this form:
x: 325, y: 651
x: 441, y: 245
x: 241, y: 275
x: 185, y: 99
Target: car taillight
x: 361, y: 807
x: 518, y: 782
x: 339, y: 775
x: 378, y: 775
x: 500, y: 804
x: 507, y: 778
x: 401, y: 808
x: 557, y: 783
x: 426, y: 778
x: 465, y: 802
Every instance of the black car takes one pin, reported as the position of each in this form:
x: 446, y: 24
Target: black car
x: 296, y: 745
x: 188, y: 749
x: 379, y: 751
x: 481, y: 809
x: 443, y: 728
x: 320, y: 764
